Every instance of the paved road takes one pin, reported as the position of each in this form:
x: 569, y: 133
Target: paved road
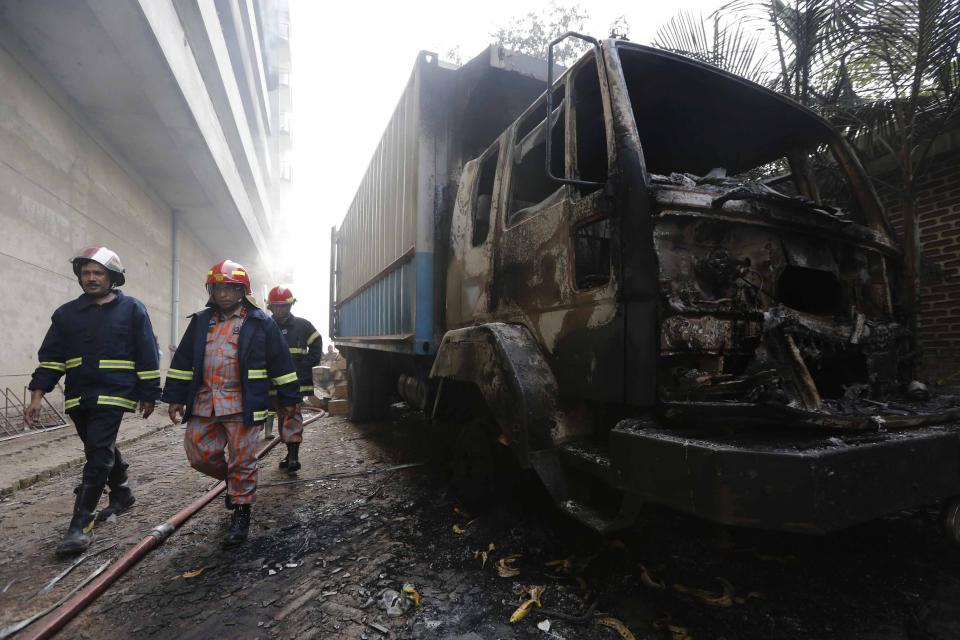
x: 322, y: 552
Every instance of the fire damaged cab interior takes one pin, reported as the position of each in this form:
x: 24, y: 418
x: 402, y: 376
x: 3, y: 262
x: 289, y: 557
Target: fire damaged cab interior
x: 777, y: 269
x: 704, y: 302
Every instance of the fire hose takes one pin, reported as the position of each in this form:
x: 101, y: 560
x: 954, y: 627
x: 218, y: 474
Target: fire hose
x: 57, y: 619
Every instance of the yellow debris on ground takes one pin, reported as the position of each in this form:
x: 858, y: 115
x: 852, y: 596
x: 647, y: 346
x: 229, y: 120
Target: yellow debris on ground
x: 615, y: 624
x: 505, y: 568
x: 534, y: 593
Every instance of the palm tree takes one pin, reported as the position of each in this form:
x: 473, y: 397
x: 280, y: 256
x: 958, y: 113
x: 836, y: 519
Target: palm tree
x: 729, y: 44
x: 805, y: 36
x: 810, y: 40
x: 908, y: 86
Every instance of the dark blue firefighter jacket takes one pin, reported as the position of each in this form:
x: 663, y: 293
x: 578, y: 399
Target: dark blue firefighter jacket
x: 108, y: 353
x: 264, y: 363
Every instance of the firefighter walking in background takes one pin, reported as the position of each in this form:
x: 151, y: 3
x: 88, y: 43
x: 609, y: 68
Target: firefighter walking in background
x: 103, y: 341
x: 306, y: 347
x: 218, y: 383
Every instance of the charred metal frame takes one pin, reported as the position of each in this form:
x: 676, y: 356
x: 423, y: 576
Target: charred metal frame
x: 703, y: 374
x: 547, y: 155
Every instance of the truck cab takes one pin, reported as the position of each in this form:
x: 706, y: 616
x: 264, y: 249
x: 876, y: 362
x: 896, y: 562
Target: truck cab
x: 679, y: 287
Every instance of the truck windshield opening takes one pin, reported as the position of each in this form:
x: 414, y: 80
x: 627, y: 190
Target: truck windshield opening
x: 712, y: 128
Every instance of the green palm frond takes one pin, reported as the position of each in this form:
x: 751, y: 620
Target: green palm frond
x: 727, y: 44
x: 809, y: 38
x: 906, y: 54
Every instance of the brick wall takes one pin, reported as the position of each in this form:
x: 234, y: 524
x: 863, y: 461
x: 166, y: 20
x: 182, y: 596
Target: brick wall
x: 939, y: 208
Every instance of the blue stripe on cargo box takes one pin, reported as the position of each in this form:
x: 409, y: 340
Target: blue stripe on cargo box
x: 385, y: 308
x: 423, y: 334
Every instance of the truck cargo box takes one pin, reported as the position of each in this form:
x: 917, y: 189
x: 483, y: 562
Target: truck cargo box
x: 385, y: 267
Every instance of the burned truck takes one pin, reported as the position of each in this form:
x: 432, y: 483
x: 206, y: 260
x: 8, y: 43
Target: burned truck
x: 661, y: 283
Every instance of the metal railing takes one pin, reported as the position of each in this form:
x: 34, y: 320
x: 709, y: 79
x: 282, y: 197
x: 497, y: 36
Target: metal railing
x: 13, y: 423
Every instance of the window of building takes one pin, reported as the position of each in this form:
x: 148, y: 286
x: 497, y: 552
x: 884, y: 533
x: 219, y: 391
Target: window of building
x: 284, y: 77
x: 284, y: 28
x: 286, y: 170
x: 286, y: 118
x: 483, y: 198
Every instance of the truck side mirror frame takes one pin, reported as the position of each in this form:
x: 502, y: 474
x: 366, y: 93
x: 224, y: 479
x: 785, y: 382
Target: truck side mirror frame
x: 549, y: 122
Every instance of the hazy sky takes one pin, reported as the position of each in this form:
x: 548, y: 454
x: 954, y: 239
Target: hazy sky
x: 350, y: 62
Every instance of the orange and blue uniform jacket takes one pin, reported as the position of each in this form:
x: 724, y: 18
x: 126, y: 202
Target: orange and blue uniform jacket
x: 108, y: 353
x: 263, y: 357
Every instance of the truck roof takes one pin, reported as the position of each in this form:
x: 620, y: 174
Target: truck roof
x: 687, y: 108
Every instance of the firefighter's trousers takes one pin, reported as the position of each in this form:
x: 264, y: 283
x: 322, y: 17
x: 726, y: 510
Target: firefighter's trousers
x: 291, y: 429
x: 98, y: 430
x: 205, y: 442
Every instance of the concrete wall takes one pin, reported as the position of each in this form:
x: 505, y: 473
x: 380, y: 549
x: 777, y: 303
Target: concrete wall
x: 939, y: 209
x: 62, y: 190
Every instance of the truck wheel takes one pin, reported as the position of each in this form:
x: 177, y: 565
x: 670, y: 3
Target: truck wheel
x: 478, y: 470
x: 366, y: 388
x: 950, y: 518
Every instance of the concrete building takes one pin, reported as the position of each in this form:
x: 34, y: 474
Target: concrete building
x: 155, y: 127
x: 277, y: 54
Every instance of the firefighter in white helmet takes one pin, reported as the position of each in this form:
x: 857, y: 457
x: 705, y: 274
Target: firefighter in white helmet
x: 103, y: 343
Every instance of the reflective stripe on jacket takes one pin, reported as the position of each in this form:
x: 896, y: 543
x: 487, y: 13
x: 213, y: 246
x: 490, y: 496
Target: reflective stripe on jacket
x: 107, y: 352
x: 264, y: 363
x: 306, y: 347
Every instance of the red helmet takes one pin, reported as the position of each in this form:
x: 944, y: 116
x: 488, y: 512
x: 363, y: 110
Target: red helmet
x: 280, y: 295
x: 105, y: 258
x: 229, y: 271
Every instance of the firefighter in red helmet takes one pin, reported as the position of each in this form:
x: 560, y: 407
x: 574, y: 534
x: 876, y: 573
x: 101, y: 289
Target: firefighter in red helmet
x: 230, y: 356
x: 104, y: 344
x: 306, y: 347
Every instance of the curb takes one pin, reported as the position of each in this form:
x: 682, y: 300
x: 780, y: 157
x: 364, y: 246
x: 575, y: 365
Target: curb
x: 46, y: 474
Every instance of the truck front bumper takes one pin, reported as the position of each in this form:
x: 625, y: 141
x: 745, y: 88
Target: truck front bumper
x: 778, y: 480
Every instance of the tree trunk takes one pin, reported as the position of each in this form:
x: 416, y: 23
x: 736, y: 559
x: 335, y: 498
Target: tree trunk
x: 911, y: 273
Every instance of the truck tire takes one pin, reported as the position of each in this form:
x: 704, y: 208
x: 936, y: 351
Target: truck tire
x: 479, y: 467
x: 367, y: 390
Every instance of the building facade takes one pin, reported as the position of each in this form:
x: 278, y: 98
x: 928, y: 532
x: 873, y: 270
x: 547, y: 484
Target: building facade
x: 280, y: 88
x: 149, y: 126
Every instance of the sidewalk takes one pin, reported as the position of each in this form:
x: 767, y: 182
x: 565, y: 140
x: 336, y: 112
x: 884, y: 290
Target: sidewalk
x: 31, y: 459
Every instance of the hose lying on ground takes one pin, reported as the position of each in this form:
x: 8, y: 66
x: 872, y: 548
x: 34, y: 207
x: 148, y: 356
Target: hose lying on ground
x: 99, y: 582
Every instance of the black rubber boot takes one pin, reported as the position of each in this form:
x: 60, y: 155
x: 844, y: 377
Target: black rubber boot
x: 286, y: 459
x: 239, y: 525
x: 293, y: 457
x: 80, y: 533
x: 227, y: 502
x: 121, y: 499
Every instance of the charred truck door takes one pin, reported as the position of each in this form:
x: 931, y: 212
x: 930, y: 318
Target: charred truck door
x: 529, y: 250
